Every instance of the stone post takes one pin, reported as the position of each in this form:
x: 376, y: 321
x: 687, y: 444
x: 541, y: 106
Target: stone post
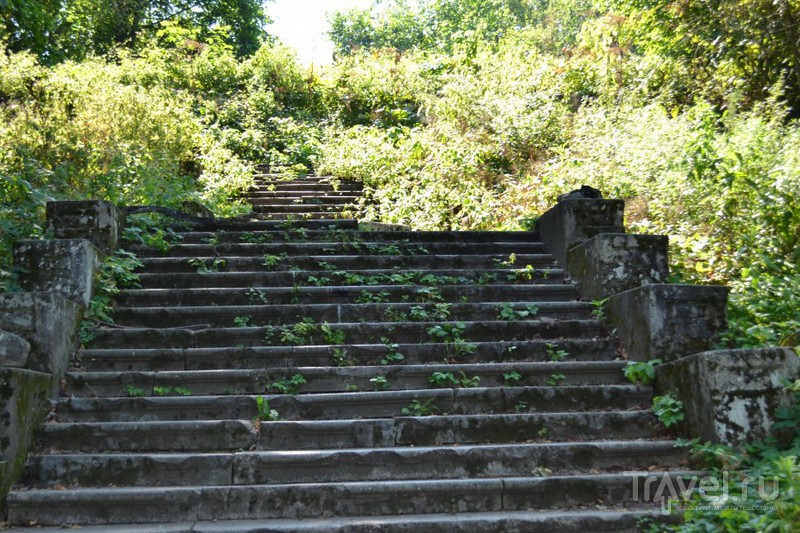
x: 97, y: 221
x: 667, y: 322
x: 63, y: 267
x: 572, y: 222
x: 730, y: 396
x: 611, y: 263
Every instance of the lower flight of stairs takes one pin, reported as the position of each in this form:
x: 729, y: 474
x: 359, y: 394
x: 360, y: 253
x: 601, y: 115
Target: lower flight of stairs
x: 301, y: 375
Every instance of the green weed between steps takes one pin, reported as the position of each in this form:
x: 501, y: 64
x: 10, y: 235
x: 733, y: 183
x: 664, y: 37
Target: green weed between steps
x: 418, y: 408
x: 668, y: 409
x: 116, y: 273
x: 289, y: 385
x: 265, y: 412
x: 641, y: 372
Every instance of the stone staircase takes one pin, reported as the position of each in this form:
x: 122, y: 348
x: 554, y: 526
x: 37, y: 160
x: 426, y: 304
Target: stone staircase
x: 293, y: 373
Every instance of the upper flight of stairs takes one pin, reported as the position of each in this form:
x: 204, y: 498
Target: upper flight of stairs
x: 164, y: 422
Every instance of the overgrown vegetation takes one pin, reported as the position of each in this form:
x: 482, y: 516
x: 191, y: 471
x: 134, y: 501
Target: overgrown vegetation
x: 455, y: 114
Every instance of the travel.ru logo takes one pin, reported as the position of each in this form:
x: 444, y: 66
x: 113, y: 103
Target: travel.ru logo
x: 680, y: 492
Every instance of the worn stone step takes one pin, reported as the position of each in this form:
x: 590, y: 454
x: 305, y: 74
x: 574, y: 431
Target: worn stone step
x: 459, y: 334
x: 500, y: 250
x: 306, y: 200
x: 349, y: 465
x: 232, y: 435
x: 297, y: 185
x: 313, y: 500
x: 438, y: 430
x: 355, y: 404
x: 325, y: 265
x: 293, y: 216
x: 292, y: 194
x: 339, y: 379
x: 282, y: 357
x: 335, y: 236
x: 292, y: 207
x: 254, y: 224
x: 365, y: 278
x: 346, y: 294
x: 177, y: 436
x: 259, y: 315
x: 600, y: 519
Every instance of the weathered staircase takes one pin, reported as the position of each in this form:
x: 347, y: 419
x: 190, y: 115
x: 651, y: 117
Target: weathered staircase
x: 296, y: 374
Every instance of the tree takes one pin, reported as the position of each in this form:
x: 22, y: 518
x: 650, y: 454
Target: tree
x: 56, y: 30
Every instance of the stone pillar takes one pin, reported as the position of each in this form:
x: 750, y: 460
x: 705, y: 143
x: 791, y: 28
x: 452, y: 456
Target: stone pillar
x: 730, y: 396
x: 63, y: 267
x: 49, y: 323
x: 97, y: 221
x: 572, y: 222
x: 668, y: 322
x: 611, y: 263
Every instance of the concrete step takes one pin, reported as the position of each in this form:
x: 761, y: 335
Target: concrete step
x: 297, y: 333
x: 261, y: 315
x: 305, y: 200
x: 365, y: 278
x: 292, y: 216
x: 385, y: 404
x: 346, y: 294
x: 291, y: 207
x: 325, y: 265
x: 253, y: 224
x: 312, y: 500
x: 298, y: 185
x: 232, y: 435
x: 348, y: 465
x: 500, y: 250
x: 336, y: 236
x: 281, y: 357
x: 173, y: 435
x: 600, y: 518
x: 339, y: 379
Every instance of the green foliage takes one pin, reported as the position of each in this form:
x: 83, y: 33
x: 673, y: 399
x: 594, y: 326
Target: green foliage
x: 668, y: 409
x: 641, y: 372
x: 512, y: 378
x: 507, y: 311
x: 288, y: 385
x: 443, y: 379
x: 418, y: 408
x: 380, y: 382
x: 265, y: 412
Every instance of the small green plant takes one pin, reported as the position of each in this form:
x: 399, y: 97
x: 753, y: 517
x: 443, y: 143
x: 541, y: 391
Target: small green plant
x: 269, y: 335
x: 507, y: 311
x: 521, y: 407
x: 599, y: 313
x: 352, y: 388
x: 380, y: 382
x: 171, y: 391
x: 324, y: 265
x: 341, y: 357
x: 556, y: 379
x: 641, y: 372
x: 469, y: 383
x: 668, y: 409
x: 207, y: 267
x: 512, y: 378
x: 417, y: 408
x: 271, y: 262
x: 556, y: 356
x: 256, y: 296
x: 265, y: 412
x: 242, y: 321
x: 543, y: 432
x: 522, y: 274
x: 332, y: 335
x: 288, y: 385
x: 393, y: 354
x: 134, y: 392
x: 373, y: 297
x: 443, y: 379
